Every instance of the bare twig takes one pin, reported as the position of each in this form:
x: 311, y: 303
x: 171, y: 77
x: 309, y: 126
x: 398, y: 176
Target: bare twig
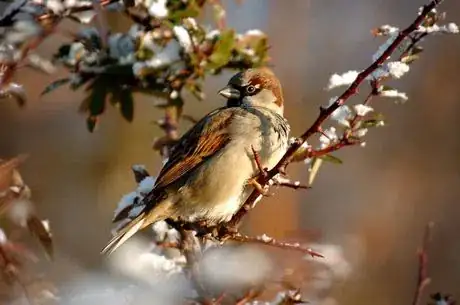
x: 285, y: 182
x: 249, y: 296
x: 422, y: 275
x: 269, y: 241
x: 325, y: 113
x: 10, y: 267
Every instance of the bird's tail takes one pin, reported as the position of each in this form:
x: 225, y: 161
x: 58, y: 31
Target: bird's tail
x: 160, y: 212
x: 124, y: 234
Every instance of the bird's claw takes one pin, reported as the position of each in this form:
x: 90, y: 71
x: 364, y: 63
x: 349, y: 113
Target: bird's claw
x: 263, y: 190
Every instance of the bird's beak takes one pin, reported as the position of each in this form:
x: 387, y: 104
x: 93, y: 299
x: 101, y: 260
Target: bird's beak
x: 230, y: 93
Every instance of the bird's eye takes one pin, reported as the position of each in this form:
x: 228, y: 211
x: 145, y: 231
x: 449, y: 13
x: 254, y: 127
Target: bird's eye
x: 251, y: 89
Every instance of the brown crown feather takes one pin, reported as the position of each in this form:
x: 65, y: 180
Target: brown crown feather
x: 267, y: 80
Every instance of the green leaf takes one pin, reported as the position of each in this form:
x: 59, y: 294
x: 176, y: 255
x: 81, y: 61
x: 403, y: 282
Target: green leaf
x: 331, y: 159
x: 385, y: 88
x: 192, y: 10
x: 79, y: 80
x: 127, y: 105
x: 316, y: 164
x: 96, y: 99
x: 409, y: 59
x: 374, y: 122
x: 369, y: 123
x: 222, y: 50
x: 416, y: 50
x: 54, y: 85
x: 91, y: 123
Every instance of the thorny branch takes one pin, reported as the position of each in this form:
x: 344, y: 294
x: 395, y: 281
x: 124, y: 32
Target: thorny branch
x: 422, y: 275
x: 325, y: 113
x: 269, y: 241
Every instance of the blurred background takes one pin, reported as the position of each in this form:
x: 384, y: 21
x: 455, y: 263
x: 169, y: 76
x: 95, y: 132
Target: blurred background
x: 374, y: 206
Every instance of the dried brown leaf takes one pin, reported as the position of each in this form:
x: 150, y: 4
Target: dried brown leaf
x: 38, y: 228
x: 7, y: 169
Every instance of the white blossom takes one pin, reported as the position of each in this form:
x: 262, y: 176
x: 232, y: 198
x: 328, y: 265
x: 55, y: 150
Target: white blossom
x: 148, y: 41
x: 337, y: 80
x: 329, y: 136
x: 397, y: 69
x: 334, y: 260
x: 378, y: 74
x: 136, y: 210
x: 341, y: 115
x: 163, y: 232
x: 162, y: 58
x: 183, y: 37
x: 160, y: 228
x: 20, y: 211
x: 55, y: 5
x: 402, y: 96
x: 224, y: 266
x: 158, y: 9
x: 174, y: 94
x: 190, y: 23
x: 384, y: 46
x: 139, y: 167
x: 420, y: 10
x: 146, y: 185
x: 136, y: 260
x: 255, y: 33
x: 359, y: 133
x: 362, y: 110
x: 125, y: 201
x: 429, y: 29
x: 265, y: 238
x: 3, y: 238
x: 388, y: 29
x: 452, y: 28
x: 212, y: 34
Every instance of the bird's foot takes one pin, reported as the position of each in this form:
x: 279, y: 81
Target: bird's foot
x: 263, y: 190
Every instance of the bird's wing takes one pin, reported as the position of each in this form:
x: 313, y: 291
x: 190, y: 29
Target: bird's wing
x: 202, y: 141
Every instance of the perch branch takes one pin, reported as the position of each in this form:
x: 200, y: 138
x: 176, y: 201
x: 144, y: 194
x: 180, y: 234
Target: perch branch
x: 325, y: 113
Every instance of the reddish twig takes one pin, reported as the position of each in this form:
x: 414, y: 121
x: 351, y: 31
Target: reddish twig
x: 325, y: 113
x: 249, y: 296
x: 422, y: 275
x: 285, y: 182
x: 269, y: 241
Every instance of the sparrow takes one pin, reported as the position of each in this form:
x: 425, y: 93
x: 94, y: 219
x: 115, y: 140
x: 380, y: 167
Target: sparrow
x: 210, y: 171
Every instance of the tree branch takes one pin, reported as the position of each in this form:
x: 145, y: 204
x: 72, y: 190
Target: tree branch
x: 269, y: 241
x: 422, y: 275
x: 325, y: 113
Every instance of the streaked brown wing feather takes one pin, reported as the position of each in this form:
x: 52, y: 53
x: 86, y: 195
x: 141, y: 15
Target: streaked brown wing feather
x: 203, y: 140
